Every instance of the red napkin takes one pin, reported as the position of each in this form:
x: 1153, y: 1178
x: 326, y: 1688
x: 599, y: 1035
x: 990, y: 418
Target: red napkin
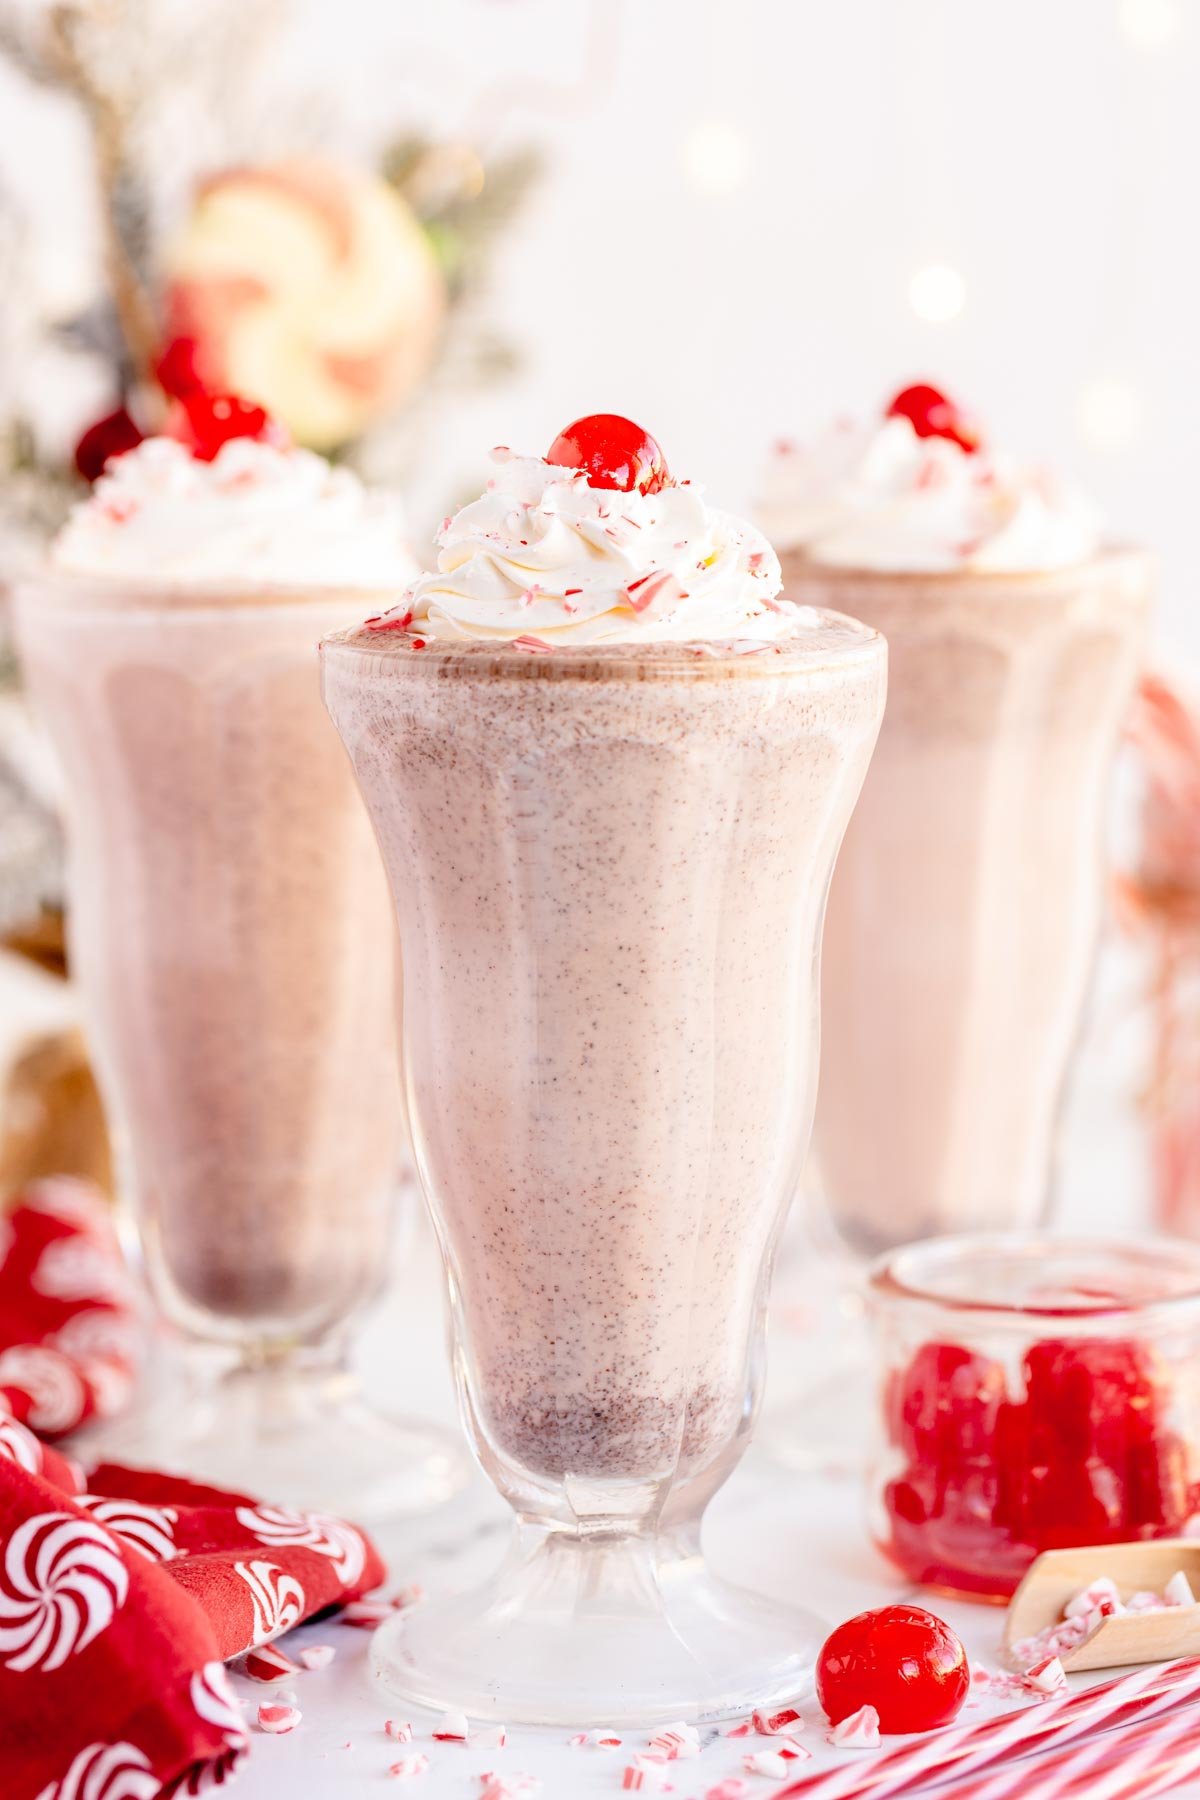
x: 119, y: 1605
x: 68, y: 1328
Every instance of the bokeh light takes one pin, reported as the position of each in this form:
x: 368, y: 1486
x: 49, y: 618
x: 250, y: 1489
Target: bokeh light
x: 937, y: 293
x: 716, y: 157
x: 1108, y: 413
x: 1150, y: 23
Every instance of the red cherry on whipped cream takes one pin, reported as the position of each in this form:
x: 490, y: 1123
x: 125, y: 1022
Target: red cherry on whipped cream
x: 903, y: 1661
x: 931, y: 414
x: 612, y: 452
x: 205, y: 422
x: 108, y: 437
x: 177, y: 368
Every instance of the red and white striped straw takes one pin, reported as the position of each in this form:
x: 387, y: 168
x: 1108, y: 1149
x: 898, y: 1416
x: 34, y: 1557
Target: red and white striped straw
x: 1129, y: 1764
x: 966, y: 1749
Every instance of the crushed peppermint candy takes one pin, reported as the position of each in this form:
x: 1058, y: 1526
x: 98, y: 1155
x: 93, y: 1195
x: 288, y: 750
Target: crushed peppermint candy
x: 596, y: 1740
x: 267, y: 1663
x: 646, y: 1774
x: 451, y: 1728
x: 765, y: 1762
x: 400, y: 1730
x: 732, y: 1788
x: 274, y: 1718
x: 1100, y: 1596
x: 777, y: 1724
x: 1086, y: 1611
x: 367, y: 1614
x: 508, y: 1787
x: 493, y: 1737
x: 1178, y: 1591
x: 1047, y: 1676
x: 416, y: 1764
x: 677, y: 1742
x: 317, y: 1656
x: 858, y: 1731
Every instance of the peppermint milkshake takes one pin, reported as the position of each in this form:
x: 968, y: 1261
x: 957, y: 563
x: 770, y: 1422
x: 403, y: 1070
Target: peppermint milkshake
x: 229, y: 920
x: 609, y: 769
x: 963, y: 918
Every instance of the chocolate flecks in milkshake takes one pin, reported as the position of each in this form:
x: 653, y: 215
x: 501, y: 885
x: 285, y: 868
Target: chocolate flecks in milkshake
x: 565, y: 1435
x: 231, y: 930
x: 610, y: 865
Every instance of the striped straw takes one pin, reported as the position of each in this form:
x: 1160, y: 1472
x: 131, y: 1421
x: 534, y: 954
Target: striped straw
x: 1131, y: 1764
x: 966, y: 1749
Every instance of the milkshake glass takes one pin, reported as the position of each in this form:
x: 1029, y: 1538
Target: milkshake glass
x: 231, y: 934
x: 609, y: 832
x: 964, y: 914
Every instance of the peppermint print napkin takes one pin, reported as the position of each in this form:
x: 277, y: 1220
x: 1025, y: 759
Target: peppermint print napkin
x: 118, y: 1607
x: 123, y: 1593
x: 68, y: 1324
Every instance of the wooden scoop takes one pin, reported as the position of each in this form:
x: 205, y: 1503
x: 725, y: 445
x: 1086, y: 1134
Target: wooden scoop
x: 1147, y: 1637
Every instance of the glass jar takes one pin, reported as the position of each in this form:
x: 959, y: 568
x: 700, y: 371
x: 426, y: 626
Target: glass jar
x: 1034, y: 1393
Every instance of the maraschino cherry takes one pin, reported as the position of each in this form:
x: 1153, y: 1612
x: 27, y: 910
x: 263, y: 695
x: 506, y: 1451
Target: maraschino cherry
x: 612, y: 452
x: 901, y: 1660
x: 931, y: 414
x: 204, y: 422
x: 177, y: 368
x: 108, y: 437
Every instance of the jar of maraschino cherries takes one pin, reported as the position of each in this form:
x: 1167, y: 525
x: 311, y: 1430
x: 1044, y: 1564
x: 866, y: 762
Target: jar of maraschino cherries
x: 1034, y: 1393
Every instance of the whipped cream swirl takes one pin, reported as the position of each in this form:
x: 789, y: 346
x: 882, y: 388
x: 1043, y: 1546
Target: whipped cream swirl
x: 543, y: 555
x: 880, y: 497
x: 255, y: 514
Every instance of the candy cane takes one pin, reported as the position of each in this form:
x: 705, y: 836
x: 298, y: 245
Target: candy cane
x: 968, y: 1748
x: 1132, y: 1764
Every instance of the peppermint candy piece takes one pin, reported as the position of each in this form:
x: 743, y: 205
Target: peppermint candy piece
x: 267, y: 1663
x: 1047, y: 1676
x: 858, y: 1731
x: 776, y: 1724
x: 276, y: 1719
x: 677, y: 1742
x: 416, y: 1764
x: 1178, y: 1591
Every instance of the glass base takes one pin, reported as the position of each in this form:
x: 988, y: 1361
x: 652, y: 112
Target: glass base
x: 593, y: 1631
x: 290, y: 1434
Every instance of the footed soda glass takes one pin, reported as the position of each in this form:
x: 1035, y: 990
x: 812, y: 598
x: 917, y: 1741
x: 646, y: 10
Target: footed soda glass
x: 230, y: 929
x: 966, y: 908
x: 610, y: 869
x: 961, y: 932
